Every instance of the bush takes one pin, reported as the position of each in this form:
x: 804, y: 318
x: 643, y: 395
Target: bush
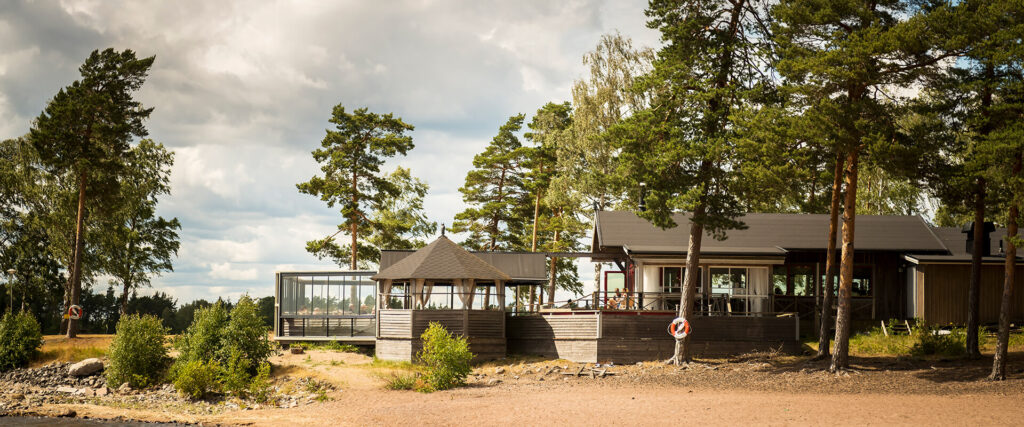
x: 446, y: 358
x: 259, y: 388
x: 20, y: 340
x: 246, y: 336
x: 236, y: 343
x: 197, y: 379
x: 202, y: 340
x: 399, y: 381
x: 931, y: 342
x: 137, y: 353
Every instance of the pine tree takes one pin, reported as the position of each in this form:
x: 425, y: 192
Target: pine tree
x: 683, y: 145
x: 854, y: 52
x: 399, y: 221
x: 351, y: 155
x: 137, y: 243
x: 85, y: 130
x: 495, y: 190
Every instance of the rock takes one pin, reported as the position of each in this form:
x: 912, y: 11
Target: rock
x: 124, y: 389
x: 493, y: 381
x: 499, y: 370
x: 296, y: 350
x: 16, y: 396
x: 86, y: 391
x: 102, y: 391
x: 85, y: 367
x: 639, y: 363
x: 66, y: 389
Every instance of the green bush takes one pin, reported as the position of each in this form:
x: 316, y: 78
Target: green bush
x: 401, y: 381
x: 446, y: 358
x: 20, y: 340
x: 197, y: 379
x: 246, y: 336
x: 137, y: 353
x: 203, y: 338
x: 236, y: 343
x: 259, y: 388
x: 930, y: 342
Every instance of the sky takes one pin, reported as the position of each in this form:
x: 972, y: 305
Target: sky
x: 242, y: 93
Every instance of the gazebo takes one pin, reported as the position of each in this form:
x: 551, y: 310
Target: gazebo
x: 446, y: 284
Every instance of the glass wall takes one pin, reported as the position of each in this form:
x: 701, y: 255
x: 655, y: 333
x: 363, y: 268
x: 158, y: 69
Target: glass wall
x: 322, y: 304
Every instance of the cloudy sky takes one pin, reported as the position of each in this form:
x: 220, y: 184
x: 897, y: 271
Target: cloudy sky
x: 243, y: 92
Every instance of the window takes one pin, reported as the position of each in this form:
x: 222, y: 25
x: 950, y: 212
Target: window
x: 779, y: 280
x: 803, y: 280
x: 672, y: 280
x: 861, y: 281
x: 730, y: 281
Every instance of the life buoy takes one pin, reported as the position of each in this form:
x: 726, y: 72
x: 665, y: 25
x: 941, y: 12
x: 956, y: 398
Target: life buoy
x: 679, y: 328
x: 75, y: 312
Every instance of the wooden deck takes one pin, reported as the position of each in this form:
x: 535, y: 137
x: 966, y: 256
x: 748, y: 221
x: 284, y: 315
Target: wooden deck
x: 398, y: 331
x: 633, y: 336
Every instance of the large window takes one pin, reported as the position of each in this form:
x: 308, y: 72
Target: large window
x: 802, y: 277
x: 731, y: 281
x: 779, y: 275
x: 326, y: 304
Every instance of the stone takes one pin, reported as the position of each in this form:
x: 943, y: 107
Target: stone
x: 499, y: 370
x: 102, y: 391
x: 16, y: 396
x: 493, y: 381
x: 296, y: 350
x: 86, y: 391
x: 124, y: 389
x: 66, y: 389
x: 85, y: 367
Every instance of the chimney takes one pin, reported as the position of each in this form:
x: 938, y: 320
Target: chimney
x: 643, y: 197
x: 986, y: 244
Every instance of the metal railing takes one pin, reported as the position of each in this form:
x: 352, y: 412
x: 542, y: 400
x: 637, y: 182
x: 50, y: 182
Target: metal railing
x: 482, y: 300
x: 715, y: 303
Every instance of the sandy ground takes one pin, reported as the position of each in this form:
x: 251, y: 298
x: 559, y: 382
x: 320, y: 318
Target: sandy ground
x: 783, y: 391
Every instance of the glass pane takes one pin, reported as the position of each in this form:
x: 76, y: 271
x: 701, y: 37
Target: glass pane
x: 368, y: 295
x: 779, y: 280
x: 302, y: 299
x: 803, y: 280
x: 671, y: 279
x: 289, y: 292
x: 861, y: 281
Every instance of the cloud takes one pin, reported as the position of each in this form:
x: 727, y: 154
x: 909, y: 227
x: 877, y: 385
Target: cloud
x: 242, y: 92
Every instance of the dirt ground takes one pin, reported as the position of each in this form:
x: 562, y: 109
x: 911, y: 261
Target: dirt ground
x: 758, y: 389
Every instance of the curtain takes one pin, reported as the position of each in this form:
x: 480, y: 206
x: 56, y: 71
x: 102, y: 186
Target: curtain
x: 385, y: 290
x: 499, y: 286
x: 417, y: 293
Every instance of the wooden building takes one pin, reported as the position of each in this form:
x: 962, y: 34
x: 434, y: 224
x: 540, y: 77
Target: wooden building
x: 903, y: 267
x: 446, y: 284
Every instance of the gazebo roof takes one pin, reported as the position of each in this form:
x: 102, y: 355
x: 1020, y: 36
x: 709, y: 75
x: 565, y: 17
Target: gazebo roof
x: 441, y: 260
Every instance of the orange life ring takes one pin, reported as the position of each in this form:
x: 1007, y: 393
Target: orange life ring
x: 679, y: 328
x: 75, y: 312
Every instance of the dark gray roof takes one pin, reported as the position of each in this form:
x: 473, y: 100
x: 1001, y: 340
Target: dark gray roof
x: 441, y: 260
x: 519, y: 266
x: 765, y: 234
x: 956, y: 241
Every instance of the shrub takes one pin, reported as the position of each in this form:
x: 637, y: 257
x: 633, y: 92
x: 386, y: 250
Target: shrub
x: 236, y: 376
x: 401, y: 381
x: 931, y: 342
x: 20, y: 340
x: 137, y: 353
x: 202, y: 339
x: 246, y: 337
x: 259, y: 388
x: 197, y: 379
x: 446, y: 358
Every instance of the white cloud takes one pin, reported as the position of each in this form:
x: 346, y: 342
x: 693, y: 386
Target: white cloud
x: 227, y: 271
x: 242, y: 92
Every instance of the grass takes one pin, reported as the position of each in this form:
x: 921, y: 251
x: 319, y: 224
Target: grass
x: 401, y: 381
x: 922, y: 343
x: 57, y: 348
x: 327, y: 345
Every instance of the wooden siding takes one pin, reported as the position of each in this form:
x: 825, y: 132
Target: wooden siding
x: 945, y: 287
x: 627, y: 338
x: 399, y: 331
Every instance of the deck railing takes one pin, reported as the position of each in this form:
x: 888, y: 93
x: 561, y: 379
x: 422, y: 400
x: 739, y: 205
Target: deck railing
x: 715, y: 303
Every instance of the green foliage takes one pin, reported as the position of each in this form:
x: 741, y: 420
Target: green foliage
x: 399, y: 221
x: 351, y: 155
x: 245, y: 336
x: 499, y: 202
x: 136, y: 243
x: 259, y: 387
x: 20, y: 340
x: 446, y: 358
x: 232, y: 345
x: 401, y: 381
x: 137, y: 353
x: 203, y: 339
x: 197, y: 379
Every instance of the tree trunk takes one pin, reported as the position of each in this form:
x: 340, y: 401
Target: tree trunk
x: 840, y: 357
x: 124, y: 298
x: 76, y: 271
x: 354, y: 227
x: 553, y: 267
x: 682, y: 350
x: 1010, y: 270
x: 973, y: 295
x: 830, y: 263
